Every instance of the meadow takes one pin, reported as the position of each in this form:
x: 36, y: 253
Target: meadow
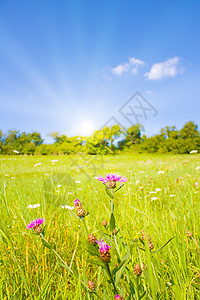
x: 160, y: 197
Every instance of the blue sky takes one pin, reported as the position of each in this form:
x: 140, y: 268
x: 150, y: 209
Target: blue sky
x: 69, y: 66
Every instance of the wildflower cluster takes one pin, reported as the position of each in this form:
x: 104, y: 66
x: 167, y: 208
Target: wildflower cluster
x: 111, y: 252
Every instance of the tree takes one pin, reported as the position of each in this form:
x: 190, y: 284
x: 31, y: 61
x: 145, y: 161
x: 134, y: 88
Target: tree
x: 189, y: 130
x: 133, y: 135
x: 36, y: 138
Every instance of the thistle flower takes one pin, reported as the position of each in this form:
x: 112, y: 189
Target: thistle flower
x: 103, y: 246
x: 104, y: 251
x: 111, y: 180
x: 36, y: 225
x: 118, y: 297
x: 77, y: 203
x: 79, y: 209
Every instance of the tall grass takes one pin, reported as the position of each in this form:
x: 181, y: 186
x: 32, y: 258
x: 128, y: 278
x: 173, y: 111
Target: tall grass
x: 31, y: 271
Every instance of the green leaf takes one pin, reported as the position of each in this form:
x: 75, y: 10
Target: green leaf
x: 112, y: 222
x: 143, y: 295
x: 164, y: 245
x: 108, y: 192
x: 118, y: 188
x: 96, y: 262
x: 93, y: 250
x: 63, y: 265
x: 122, y: 267
x: 75, y: 272
x: 195, y: 285
x: 46, y: 244
x: 124, y: 259
x: 73, y: 214
x: 132, y: 288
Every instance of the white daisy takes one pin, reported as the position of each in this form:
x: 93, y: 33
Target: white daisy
x: 38, y: 164
x: 67, y: 207
x: 33, y: 205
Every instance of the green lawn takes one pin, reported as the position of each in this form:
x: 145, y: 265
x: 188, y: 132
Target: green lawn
x: 28, y: 270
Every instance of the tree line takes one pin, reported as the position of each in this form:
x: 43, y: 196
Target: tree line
x: 109, y: 140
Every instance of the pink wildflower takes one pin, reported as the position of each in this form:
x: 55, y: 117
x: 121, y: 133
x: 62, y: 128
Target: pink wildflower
x: 77, y: 203
x: 35, y: 223
x: 111, y: 179
x: 103, y: 246
x: 117, y: 297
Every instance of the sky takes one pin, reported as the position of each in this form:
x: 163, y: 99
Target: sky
x: 75, y: 66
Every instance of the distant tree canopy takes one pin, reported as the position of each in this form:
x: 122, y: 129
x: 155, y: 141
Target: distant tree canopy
x: 109, y: 140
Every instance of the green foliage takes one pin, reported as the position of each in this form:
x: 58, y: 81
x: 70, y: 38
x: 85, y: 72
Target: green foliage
x: 30, y: 269
x: 108, y: 140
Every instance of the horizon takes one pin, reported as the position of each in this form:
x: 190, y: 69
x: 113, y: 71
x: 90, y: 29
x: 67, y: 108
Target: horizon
x: 71, y: 67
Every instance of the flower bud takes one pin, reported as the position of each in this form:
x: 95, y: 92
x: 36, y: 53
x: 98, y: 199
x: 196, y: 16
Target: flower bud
x: 91, y: 239
x: 189, y: 234
x: 114, y: 231
x: 104, y: 223
x: 91, y: 285
x: 80, y: 212
x: 38, y: 229
x: 137, y: 270
x: 105, y: 256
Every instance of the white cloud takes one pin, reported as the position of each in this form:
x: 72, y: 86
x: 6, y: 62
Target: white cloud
x: 132, y: 66
x: 149, y: 92
x: 168, y: 68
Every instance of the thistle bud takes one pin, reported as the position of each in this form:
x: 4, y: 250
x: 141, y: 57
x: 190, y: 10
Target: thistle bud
x: 112, y: 184
x: 137, y: 270
x: 38, y: 229
x: 104, y: 223
x: 91, y: 239
x: 114, y: 231
x: 105, y: 256
x: 80, y: 212
x: 91, y: 285
x: 189, y: 234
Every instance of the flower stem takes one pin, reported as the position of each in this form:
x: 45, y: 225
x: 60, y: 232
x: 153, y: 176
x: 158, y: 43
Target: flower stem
x: 111, y: 202
x: 111, y: 278
x: 137, y: 288
x: 83, y: 220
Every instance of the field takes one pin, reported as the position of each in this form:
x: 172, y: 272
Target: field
x: 29, y: 270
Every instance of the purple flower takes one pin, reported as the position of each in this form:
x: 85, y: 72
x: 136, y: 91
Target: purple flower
x: 77, y: 203
x: 35, y: 223
x: 103, y: 246
x: 111, y: 179
x: 117, y: 297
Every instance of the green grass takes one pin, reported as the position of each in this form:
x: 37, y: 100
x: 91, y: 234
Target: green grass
x: 28, y: 270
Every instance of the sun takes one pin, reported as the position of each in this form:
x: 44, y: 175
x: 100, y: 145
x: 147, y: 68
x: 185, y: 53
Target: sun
x: 86, y: 128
